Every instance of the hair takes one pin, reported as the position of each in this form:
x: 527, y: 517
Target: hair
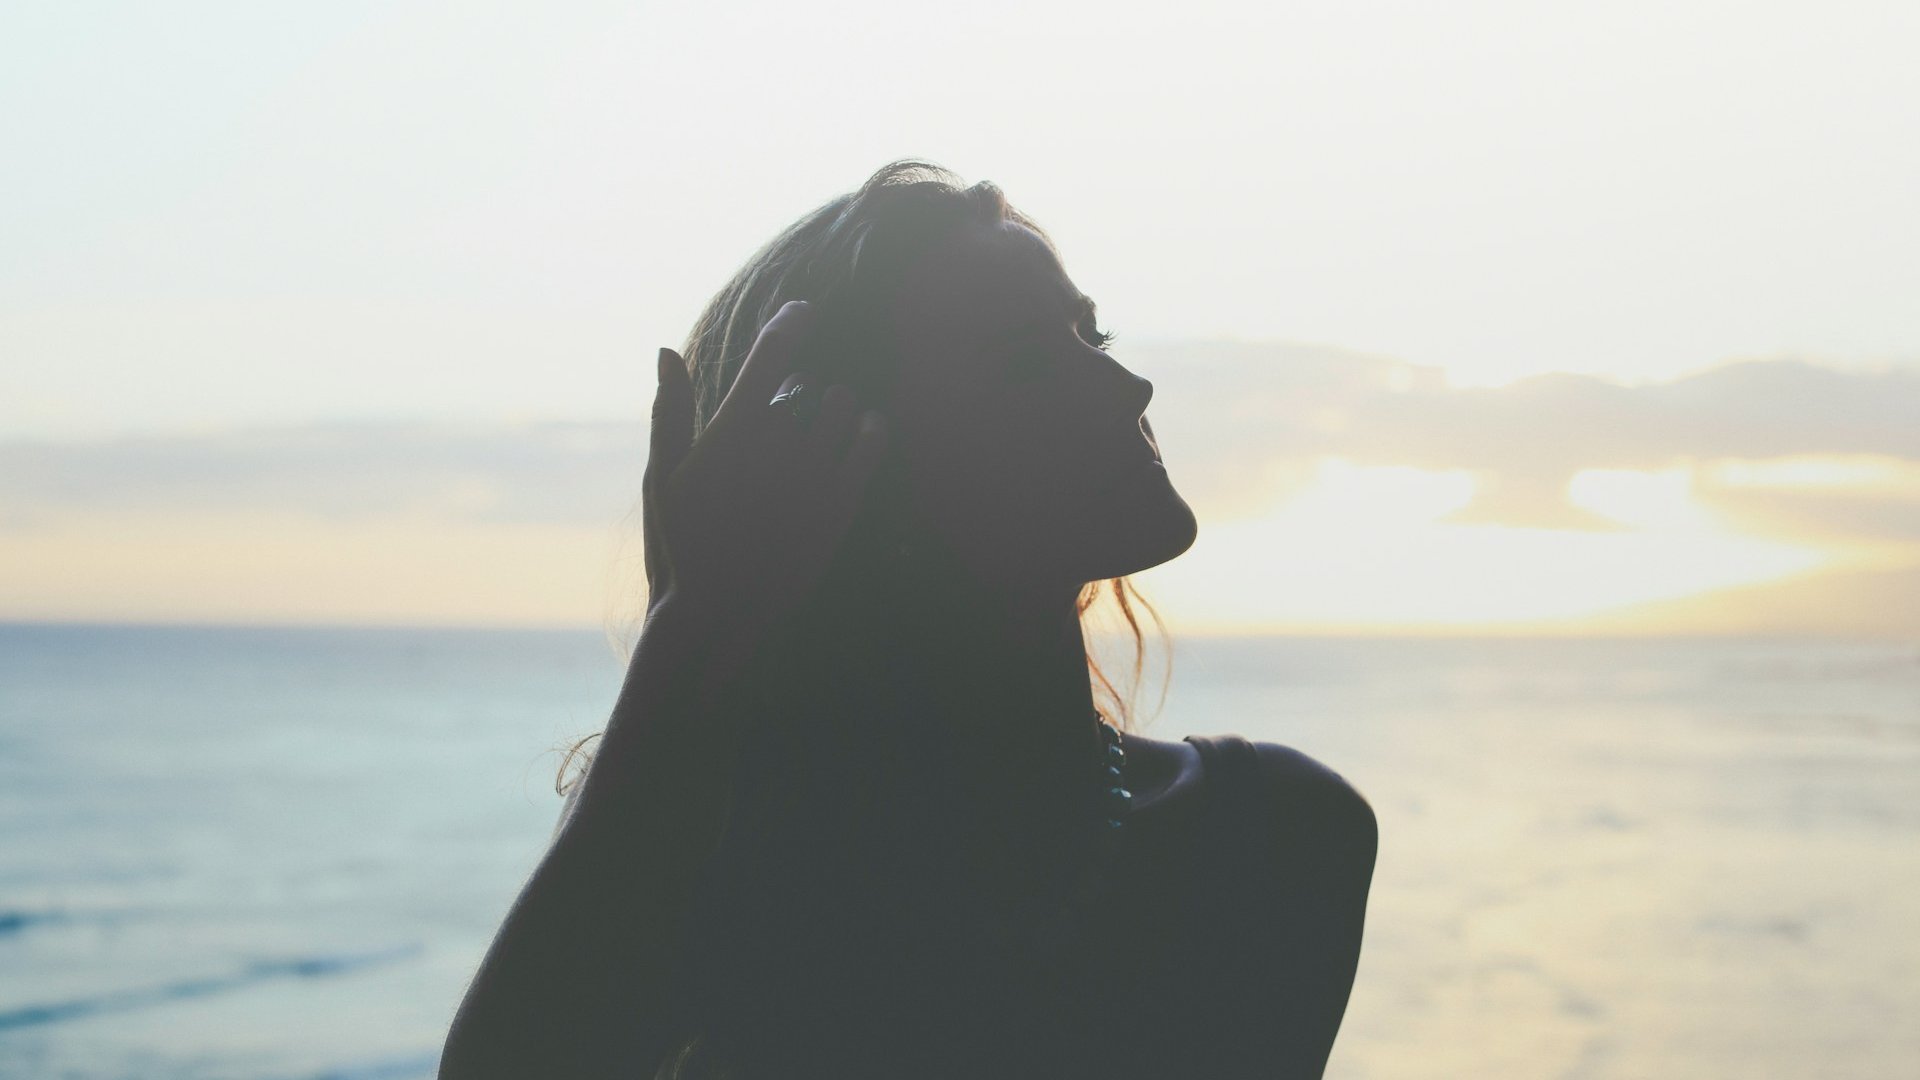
x: 846, y: 258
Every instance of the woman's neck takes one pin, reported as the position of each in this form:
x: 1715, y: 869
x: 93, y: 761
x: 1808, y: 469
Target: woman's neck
x: 929, y: 705
x: 1005, y: 670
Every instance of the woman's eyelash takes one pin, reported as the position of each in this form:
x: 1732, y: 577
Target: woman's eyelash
x: 1031, y: 363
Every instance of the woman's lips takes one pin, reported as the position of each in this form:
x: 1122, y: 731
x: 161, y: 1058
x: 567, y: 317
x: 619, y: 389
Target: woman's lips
x: 1143, y: 465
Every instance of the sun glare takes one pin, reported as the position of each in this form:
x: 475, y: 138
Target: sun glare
x: 1362, y: 548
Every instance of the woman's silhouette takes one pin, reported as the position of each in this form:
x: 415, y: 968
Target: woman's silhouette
x: 852, y: 813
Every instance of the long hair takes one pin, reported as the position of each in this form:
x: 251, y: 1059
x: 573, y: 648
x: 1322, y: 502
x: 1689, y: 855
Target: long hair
x: 846, y: 258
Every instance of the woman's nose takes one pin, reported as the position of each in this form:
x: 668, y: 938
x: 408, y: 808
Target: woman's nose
x: 1129, y: 392
x: 1142, y: 390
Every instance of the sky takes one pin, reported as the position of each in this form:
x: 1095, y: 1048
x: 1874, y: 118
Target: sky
x: 1476, y: 317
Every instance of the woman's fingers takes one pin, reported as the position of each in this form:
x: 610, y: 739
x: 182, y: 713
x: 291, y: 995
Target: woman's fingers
x: 768, y: 362
x: 835, y: 505
x: 741, y: 519
x: 833, y: 423
x: 857, y: 467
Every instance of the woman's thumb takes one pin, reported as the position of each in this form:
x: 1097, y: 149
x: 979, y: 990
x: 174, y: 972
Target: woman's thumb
x: 672, y: 421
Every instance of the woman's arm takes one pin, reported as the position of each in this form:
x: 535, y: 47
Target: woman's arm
x: 740, y: 521
x: 1329, y: 838
x: 575, y: 983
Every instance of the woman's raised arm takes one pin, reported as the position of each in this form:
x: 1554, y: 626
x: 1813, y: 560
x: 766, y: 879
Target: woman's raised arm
x: 739, y: 524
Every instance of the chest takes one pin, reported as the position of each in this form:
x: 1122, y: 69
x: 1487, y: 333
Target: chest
x: 1138, y: 989
x: 1140, y: 995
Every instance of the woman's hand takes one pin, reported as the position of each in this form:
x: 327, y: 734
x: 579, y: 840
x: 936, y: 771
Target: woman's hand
x: 740, y: 524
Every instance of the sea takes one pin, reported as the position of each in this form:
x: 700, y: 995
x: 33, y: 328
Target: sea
x: 236, y: 853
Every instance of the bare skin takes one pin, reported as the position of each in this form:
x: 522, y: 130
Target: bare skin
x: 1029, y: 462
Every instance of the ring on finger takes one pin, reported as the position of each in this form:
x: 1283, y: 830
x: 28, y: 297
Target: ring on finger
x: 800, y: 405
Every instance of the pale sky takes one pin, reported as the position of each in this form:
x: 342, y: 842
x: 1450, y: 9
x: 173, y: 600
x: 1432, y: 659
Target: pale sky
x: 224, y: 222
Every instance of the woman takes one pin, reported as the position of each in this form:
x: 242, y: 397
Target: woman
x: 853, y: 813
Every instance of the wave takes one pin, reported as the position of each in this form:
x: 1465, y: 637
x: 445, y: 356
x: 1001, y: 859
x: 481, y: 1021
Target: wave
x: 303, y: 967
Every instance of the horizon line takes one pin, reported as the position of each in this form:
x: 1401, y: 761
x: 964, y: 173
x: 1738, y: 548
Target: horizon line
x: 1488, y: 633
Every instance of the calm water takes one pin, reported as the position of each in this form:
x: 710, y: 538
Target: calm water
x: 258, y: 854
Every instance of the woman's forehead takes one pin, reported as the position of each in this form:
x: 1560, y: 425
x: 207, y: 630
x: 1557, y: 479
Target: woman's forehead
x: 982, y: 275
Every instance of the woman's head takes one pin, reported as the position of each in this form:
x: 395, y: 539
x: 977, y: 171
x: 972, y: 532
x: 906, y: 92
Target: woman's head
x: 1017, y: 443
x: 1016, y: 440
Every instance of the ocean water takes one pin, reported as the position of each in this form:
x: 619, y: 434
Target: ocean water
x: 254, y: 854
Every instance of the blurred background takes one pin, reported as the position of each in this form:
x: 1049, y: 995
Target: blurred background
x: 1545, y: 378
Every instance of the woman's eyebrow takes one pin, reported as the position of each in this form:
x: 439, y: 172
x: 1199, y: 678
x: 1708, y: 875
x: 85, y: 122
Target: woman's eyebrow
x: 1079, y: 306
x: 1082, y: 307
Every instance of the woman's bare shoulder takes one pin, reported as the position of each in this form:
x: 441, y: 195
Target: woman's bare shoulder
x: 1319, y: 809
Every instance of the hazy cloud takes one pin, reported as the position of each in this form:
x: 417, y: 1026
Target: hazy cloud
x: 1240, y: 424
x: 1235, y: 415
x: 544, y: 473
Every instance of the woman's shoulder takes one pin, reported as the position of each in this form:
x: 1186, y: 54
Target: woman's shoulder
x: 1289, y: 931
x: 1319, y: 814
x: 1201, y: 768
x: 1301, y: 781
x: 1309, y: 808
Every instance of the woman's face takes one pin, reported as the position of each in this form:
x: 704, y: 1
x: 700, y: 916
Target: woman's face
x: 1023, y: 444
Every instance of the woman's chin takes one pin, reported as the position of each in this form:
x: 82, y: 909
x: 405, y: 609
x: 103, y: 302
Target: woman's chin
x: 1151, y: 536
x: 1180, y: 530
